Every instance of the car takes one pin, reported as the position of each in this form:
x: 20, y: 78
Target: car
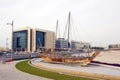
x: 6, y: 52
x: 8, y: 60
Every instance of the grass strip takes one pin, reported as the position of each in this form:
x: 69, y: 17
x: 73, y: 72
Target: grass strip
x: 25, y: 67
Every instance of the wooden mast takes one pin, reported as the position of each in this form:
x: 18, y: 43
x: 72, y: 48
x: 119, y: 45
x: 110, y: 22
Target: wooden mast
x: 56, y: 29
x: 56, y: 32
x: 69, y: 26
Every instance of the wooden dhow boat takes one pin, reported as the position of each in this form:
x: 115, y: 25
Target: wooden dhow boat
x: 67, y: 57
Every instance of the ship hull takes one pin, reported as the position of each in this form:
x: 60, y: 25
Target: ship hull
x: 59, y: 59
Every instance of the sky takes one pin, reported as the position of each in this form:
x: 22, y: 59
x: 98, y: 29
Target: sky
x: 97, y: 21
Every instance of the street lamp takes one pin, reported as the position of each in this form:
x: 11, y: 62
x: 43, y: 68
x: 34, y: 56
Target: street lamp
x: 7, y: 44
x: 12, y: 25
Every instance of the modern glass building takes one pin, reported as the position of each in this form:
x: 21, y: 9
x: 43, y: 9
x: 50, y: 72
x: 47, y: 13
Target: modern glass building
x: 61, y: 43
x: 31, y: 39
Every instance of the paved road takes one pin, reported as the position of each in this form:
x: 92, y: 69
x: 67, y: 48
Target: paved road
x: 9, y: 72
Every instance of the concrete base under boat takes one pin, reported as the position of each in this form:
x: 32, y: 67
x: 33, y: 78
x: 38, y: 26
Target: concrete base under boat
x: 91, y: 70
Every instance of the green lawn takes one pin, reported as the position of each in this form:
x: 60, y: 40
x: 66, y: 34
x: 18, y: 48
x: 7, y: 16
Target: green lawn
x: 25, y: 67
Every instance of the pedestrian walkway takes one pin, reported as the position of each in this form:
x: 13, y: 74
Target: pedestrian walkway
x: 91, y: 70
x: 9, y: 72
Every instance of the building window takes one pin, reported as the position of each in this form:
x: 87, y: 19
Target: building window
x: 40, y: 39
x: 20, y: 39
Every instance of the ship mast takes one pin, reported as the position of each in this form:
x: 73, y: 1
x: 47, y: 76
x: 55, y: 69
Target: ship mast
x: 56, y: 33
x: 56, y: 29
x: 69, y: 26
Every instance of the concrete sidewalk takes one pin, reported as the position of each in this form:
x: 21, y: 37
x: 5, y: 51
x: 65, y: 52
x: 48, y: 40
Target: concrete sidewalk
x: 9, y: 72
x: 92, y: 70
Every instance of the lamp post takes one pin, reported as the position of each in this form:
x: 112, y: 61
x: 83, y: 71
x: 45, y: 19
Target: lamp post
x: 7, y: 44
x: 12, y: 25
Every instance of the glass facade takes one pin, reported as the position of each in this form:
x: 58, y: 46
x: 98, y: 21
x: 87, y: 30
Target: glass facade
x: 61, y: 43
x: 73, y: 45
x: 40, y: 39
x: 20, y: 39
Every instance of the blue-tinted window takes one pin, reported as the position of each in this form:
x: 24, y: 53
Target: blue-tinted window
x: 58, y: 44
x: 40, y: 39
x: 20, y: 39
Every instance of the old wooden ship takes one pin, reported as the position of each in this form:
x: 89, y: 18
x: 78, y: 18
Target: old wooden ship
x: 67, y: 57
